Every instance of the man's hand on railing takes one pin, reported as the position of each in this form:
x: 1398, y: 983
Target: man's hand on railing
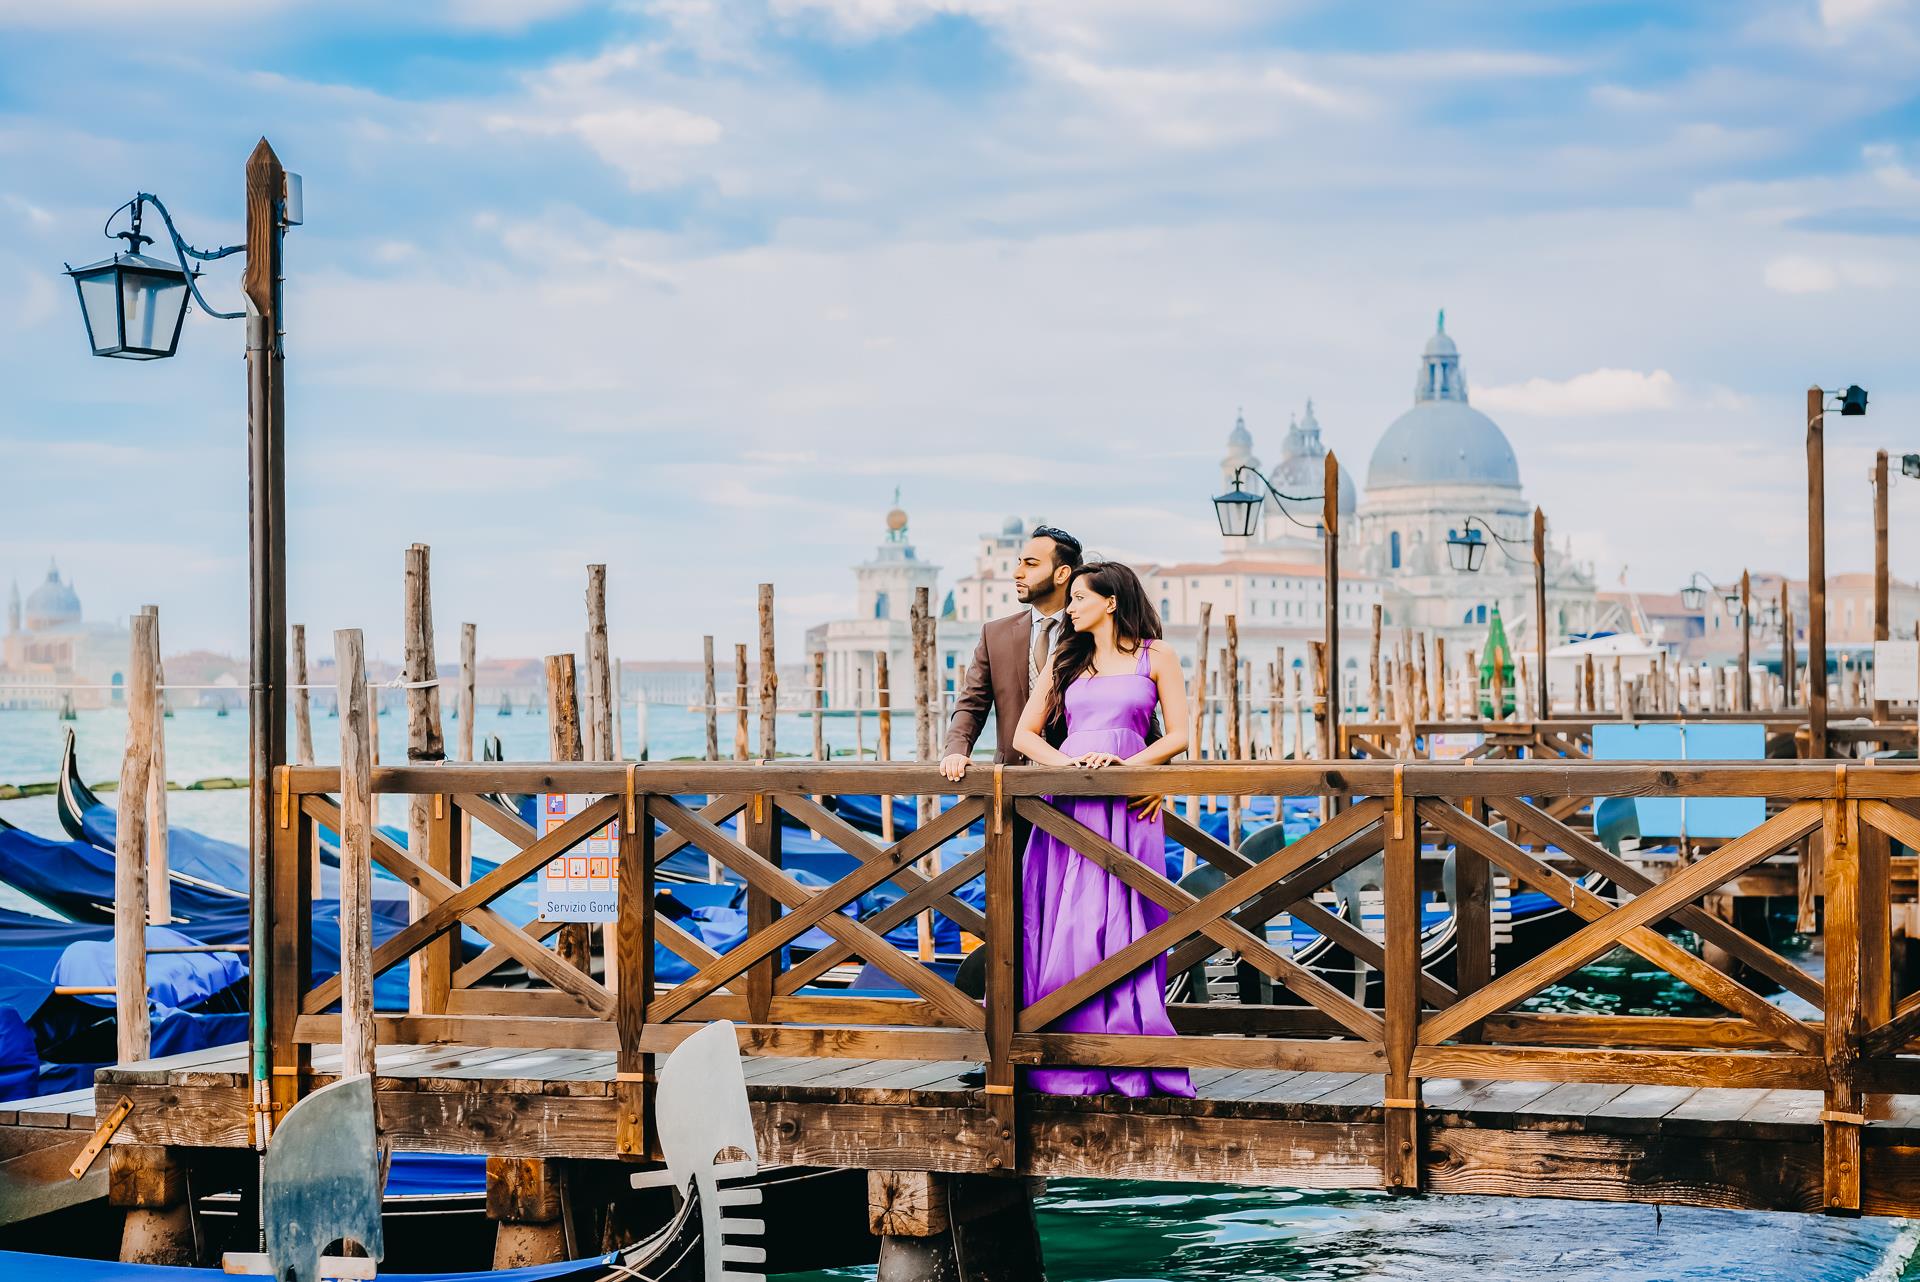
x: 1146, y: 808
x: 954, y: 765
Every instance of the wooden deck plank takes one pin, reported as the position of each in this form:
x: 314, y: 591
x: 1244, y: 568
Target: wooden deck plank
x: 1717, y: 1104
x: 1786, y: 1107
x: 1646, y: 1101
x: 1573, y: 1099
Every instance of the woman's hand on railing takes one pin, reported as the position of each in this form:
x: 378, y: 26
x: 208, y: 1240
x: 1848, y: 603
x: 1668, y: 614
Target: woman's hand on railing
x: 1096, y: 760
x: 1146, y: 809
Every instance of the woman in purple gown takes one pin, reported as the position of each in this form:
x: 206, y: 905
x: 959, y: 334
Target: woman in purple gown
x: 1108, y: 677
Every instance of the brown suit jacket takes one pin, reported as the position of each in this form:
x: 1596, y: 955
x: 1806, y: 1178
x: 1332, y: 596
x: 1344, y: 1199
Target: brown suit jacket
x: 996, y: 681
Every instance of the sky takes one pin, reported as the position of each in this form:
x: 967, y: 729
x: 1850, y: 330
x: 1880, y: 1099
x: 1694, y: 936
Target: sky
x: 688, y: 287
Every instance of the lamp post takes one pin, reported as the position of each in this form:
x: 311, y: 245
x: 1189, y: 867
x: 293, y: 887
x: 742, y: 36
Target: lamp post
x: 1466, y: 551
x: 1853, y: 403
x: 1238, y: 511
x: 133, y: 306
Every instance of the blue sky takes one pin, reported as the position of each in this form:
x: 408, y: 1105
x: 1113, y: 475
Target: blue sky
x: 688, y: 286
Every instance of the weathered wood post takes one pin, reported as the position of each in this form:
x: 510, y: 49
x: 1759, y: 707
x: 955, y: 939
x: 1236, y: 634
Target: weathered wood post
x: 1440, y: 679
x: 1196, y: 731
x: 762, y: 825
x: 819, y: 705
x: 159, y: 860
x: 920, y: 624
x: 1404, y: 701
x: 1276, y: 723
x: 599, y: 667
x: 1843, y: 1117
x: 1330, y: 654
x: 302, y: 705
x: 769, y: 677
x: 1425, y: 682
x: 1373, y: 669
x: 1230, y: 671
x: 1321, y: 721
x: 563, y: 744
x: 468, y: 712
x: 358, y: 1039
x: 1300, y: 744
x: 1787, y: 676
x: 1746, y: 641
x: 1540, y: 608
x: 710, y: 699
x: 883, y: 734
x: 432, y: 966
x: 740, y: 744
x: 131, y: 1019
x: 1402, y: 990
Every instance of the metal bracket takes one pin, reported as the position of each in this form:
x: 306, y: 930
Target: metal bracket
x: 90, y: 1151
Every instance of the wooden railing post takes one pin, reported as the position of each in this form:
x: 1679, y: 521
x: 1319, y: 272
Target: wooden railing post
x: 1402, y: 979
x: 294, y: 853
x: 1842, y: 1118
x: 633, y: 1073
x: 446, y: 855
x: 1003, y: 976
x: 763, y: 838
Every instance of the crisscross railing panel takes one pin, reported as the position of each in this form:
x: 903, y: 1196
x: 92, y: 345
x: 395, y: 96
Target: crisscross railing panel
x: 1603, y: 933
x: 771, y: 880
x: 1643, y: 940
x: 1316, y: 991
x: 880, y: 866
x: 449, y: 903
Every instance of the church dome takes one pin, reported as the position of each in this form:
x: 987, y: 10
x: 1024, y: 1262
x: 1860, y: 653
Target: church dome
x: 1442, y: 440
x: 52, y: 604
x: 1303, y: 469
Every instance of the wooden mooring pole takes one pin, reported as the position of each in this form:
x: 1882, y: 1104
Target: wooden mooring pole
x: 709, y: 697
x: 302, y: 705
x: 133, y: 1030
x: 432, y: 966
x: 159, y: 851
x: 563, y: 744
x: 358, y: 1040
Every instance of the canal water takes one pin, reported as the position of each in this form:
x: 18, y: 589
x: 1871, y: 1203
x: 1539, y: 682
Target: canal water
x: 1135, y: 1232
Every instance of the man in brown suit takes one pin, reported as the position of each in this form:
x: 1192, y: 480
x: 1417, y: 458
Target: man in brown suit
x: 1013, y: 651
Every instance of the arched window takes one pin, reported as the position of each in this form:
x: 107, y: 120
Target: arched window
x: 1480, y: 614
x: 1393, y: 549
x: 879, y: 605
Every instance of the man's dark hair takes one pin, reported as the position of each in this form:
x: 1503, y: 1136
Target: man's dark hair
x: 1066, y: 548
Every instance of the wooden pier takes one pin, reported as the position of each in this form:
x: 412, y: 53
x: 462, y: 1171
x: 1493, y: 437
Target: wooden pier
x: 1445, y: 1087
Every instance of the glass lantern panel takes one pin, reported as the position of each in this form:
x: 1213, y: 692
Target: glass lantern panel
x: 98, y: 295
x: 153, y: 305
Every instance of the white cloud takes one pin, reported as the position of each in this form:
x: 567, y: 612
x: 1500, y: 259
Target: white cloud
x: 1846, y: 13
x: 1599, y: 391
x: 1799, y: 274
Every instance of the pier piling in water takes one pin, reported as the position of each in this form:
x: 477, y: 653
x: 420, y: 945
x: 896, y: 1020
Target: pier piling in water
x: 130, y: 887
x: 563, y: 743
x: 358, y: 1041
x: 159, y: 854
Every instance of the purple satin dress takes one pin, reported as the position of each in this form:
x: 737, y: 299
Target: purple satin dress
x: 1075, y: 913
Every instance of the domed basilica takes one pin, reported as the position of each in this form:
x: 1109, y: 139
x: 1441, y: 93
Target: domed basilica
x: 1437, y: 464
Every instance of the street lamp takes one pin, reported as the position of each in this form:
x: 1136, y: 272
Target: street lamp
x: 1910, y: 465
x: 1238, y: 510
x: 133, y: 306
x: 1467, y: 550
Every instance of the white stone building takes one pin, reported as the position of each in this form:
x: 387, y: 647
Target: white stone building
x: 49, y: 651
x: 1437, y: 464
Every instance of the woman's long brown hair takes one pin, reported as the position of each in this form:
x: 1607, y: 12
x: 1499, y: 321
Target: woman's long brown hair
x: 1135, y: 622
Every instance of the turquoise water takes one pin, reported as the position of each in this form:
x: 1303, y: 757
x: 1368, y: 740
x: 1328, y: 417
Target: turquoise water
x: 1100, y: 1232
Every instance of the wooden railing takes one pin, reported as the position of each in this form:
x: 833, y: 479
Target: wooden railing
x: 1512, y: 816
x: 1553, y: 737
